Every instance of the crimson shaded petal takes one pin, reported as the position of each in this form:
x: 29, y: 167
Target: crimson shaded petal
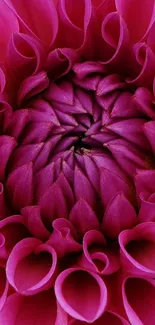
x: 119, y: 215
x: 20, y: 187
x: 74, y: 299
x: 31, y: 266
x: 83, y: 217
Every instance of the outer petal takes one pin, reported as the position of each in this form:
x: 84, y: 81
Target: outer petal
x: 130, y: 10
x: 37, y: 17
x: 138, y: 298
x: 108, y: 318
x: 32, y: 310
x: 63, y: 238
x: 138, y: 249
x: 147, y: 207
x: 8, y: 25
x: 97, y: 257
x: 31, y: 266
x: 85, y: 302
x: 12, y: 230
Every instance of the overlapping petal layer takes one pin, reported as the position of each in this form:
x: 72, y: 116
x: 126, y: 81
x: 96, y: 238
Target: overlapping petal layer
x: 77, y: 164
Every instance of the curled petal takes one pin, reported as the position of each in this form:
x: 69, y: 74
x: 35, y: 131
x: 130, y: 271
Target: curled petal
x: 43, y: 22
x: 9, y: 23
x: 4, y: 286
x: 4, y: 209
x: 146, y: 60
x: 83, y: 217
x: 138, y: 248
x: 24, y: 57
x: 130, y: 10
x: 143, y: 181
x: 60, y: 61
x: 138, y: 298
x: 147, y: 207
x: 84, y: 69
x: 119, y: 215
x: 36, y: 309
x: 97, y: 257
x: 31, y: 266
x: 12, y: 230
x: 108, y: 317
x: 86, y: 302
x: 116, y: 42
x: 73, y: 24
x: 63, y: 238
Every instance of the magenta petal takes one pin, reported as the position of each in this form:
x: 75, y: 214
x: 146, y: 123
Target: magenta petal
x: 43, y: 180
x: 113, y: 184
x: 32, y: 310
x: 4, y: 286
x: 119, y: 215
x: 25, y: 56
x: 149, y: 130
x: 138, y: 249
x: 97, y: 257
x: 4, y: 209
x: 25, y: 154
x: 34, y: 222
x: 53, y: 204
x: 63, y: 238
x: 83, y: 217
x: 108, y: 318
x: 31, y: 266
x: 20, y: 186
x: 130, y: 10
x: 7, y: 144
x: 138, y: 298
x: 17, y: 123
x: 83, y: 188
x: 147, y: 207
x: 66, y: 189
x: 32, y: 86
x: 85, y: 302
x: 43, y: 22
x: 12, y: 230
x: 143, y: 181
x: 128, y: 156
x: 8, y: 22
x: 131, y: 130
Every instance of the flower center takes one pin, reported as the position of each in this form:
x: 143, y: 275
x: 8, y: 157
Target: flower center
x: 81, y: 124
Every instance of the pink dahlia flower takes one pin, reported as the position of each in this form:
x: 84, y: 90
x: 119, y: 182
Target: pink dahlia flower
x: 77, y: 162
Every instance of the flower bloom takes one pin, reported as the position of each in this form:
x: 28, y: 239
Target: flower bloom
x: 77, y: 162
